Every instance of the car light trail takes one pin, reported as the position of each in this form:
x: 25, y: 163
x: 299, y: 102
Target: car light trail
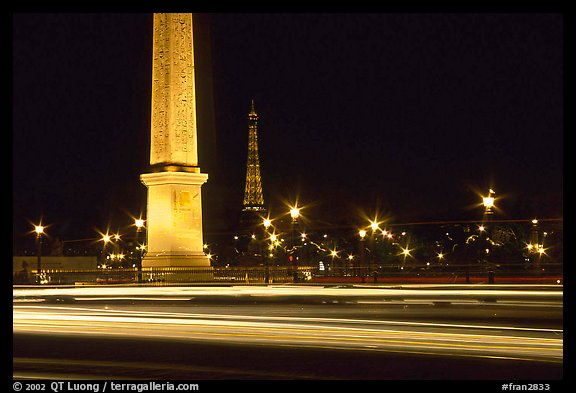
x: 303, y: 292
x: 394, y: 336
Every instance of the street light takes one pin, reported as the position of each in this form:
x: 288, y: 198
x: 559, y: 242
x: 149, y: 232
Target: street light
x: 267, y: 222
x: 488, y: 202
x: 106, y: 238
x: 440, y: 256
x: 295, y: 214
x: 405, y: 253
x: 374, y: 225
x: 39, y: 229
x: 362, y: 234
x: 139, y: 225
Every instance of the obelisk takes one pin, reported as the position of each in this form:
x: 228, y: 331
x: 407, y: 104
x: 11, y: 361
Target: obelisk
x: 174, y: 208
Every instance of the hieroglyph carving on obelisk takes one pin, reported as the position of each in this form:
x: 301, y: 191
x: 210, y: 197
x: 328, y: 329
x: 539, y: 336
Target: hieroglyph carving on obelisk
x: 174, y: 210
x: 173, y: 92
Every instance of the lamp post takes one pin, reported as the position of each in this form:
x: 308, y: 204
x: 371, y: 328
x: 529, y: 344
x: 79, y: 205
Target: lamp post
x: 39, y: 229
x: 488, y: 202
x: 362, y: 234
x: 374, y: 225
x: 295, y: 214
x: 117, y: 249
x: 139, y: 225
x: 267, y: 222
x: 105, y: 239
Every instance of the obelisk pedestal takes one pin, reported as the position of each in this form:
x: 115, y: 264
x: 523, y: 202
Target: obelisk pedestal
x: 175, y: 219
x: 174, y: 209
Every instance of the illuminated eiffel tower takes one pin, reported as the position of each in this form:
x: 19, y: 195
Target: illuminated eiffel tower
x: 253, y: 206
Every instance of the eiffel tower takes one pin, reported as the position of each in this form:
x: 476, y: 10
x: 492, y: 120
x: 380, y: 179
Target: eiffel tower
x: 253, y: 206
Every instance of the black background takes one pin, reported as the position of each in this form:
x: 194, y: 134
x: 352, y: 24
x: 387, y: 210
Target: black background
x: 408, y: 116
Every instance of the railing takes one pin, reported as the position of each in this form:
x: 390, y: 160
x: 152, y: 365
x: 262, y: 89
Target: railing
x: 551, y: 274
x: 459, y: 274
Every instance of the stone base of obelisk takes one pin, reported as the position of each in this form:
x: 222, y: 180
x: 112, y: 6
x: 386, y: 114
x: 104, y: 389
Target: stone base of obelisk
x: 174, y: 220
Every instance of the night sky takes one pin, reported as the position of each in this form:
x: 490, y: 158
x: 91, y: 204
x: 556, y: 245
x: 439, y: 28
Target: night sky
x: 407, y: 115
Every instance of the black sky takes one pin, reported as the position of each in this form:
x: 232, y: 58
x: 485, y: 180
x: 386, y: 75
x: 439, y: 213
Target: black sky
x: 408, y: 114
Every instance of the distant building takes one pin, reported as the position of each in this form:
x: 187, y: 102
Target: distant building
x: 50, y: 262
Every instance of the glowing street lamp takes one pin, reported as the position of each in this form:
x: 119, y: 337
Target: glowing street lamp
x: 139, y: 223
x: 405, y: 253
x: 488, y: 202
x: 39, y: 229
x: 294, y: 213
x: 362, y: 234
x: 267, y: 222
x: 374, y: 225
x: 106, y: 238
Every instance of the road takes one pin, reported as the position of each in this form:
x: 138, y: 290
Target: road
x: 289, y: 332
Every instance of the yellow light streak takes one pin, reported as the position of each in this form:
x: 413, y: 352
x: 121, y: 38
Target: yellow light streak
x: 293, y: 331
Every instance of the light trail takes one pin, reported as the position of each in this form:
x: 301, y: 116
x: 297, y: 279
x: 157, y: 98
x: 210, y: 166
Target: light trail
x: 346, y: 334
x: 460, y: 292
x: 105, y: 311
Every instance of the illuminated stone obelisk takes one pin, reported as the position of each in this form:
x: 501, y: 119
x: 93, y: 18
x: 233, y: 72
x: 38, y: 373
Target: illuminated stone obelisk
x: 174, y: 211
